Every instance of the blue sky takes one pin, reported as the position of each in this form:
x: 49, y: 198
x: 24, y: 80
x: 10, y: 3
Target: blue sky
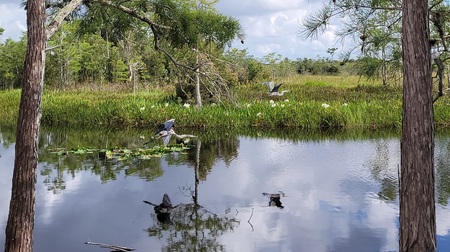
x: 270, y: 26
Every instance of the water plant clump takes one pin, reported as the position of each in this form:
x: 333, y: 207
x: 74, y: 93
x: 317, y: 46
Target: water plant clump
x: 118, y: 153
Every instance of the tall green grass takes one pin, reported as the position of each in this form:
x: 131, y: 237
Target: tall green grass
x: 309, y: 105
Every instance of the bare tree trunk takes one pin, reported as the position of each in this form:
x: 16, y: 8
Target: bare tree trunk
x: 19, y: 229
x: 198, y: 146
x: 198, y: 96
x: 417, y: 203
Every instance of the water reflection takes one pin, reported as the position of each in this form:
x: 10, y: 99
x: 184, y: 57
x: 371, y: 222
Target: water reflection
x: 275, y: 199
x: 163, y: 210
x: 189, y: 227
x: 341, y: 193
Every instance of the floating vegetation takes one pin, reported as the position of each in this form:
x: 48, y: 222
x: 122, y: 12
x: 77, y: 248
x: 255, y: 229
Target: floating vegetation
x: 123, y: 153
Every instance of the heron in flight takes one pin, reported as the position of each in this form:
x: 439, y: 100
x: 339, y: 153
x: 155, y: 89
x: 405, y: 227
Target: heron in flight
x: 165, y: 131
x: 273, y: 89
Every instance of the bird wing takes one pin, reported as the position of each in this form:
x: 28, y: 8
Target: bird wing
x: 160, y: 129
x: 165, y: 126
x: 275, y: 89
x: 166, y: 201
x: 166, y: 139
x: 169, y: 124
x: 269, y: 85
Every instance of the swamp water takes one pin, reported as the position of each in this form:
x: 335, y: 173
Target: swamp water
x: 337, y: 193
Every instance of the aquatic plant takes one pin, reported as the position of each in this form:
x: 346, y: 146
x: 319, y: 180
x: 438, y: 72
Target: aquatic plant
x: 122, y: 153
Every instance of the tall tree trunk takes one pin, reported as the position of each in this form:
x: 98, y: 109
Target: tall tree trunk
x: 198, y: 96
x: 19, y: 229
x: 417, y: 203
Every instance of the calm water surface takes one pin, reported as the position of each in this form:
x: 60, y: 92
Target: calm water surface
x: 340, y: 194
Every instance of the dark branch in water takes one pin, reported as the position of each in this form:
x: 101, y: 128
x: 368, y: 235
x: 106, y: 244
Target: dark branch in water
x: 115, y: 248
x: 250, y: 219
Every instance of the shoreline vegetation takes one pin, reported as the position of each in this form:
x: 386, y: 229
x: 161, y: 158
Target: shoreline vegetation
x: 312, y: 103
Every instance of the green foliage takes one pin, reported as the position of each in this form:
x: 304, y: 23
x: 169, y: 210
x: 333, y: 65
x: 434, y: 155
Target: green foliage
x: 10, y: 106
x: 310, y: 105
x: 368, y: 67
x: 12, y: 63
x: 88, y: 58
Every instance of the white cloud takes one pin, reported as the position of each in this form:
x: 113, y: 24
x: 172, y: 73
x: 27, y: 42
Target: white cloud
x: 273, y: 27
x: 270, y: 26
x: 13, y: 20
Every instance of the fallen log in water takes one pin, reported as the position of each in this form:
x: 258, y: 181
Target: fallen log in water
x: 115, y: 248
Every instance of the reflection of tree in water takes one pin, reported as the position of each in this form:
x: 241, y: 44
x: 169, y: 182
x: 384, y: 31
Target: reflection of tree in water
x: 442, y: 164
x: 193, y: 228
x: 55, y: 184
x: 380, y: 170
x: 56, y: 166
x: 106, y: 169
x: 7, y: 135
x: 211, y: 151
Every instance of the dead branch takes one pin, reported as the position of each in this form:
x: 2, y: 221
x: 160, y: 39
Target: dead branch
x: 115, y: 248
x: 440, y: 75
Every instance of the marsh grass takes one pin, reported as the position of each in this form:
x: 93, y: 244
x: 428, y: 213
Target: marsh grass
x: 312, y: 103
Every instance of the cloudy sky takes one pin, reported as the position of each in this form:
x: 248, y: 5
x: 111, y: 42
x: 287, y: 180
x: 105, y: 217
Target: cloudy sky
x: 270, y: 26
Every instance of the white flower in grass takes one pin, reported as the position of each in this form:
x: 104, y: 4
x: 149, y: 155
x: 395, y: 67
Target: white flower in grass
x: 186, y: 105
x: 271, y: 102
x: 248, y: 105
x: 166, y: 105
x: 152, y: 106
x: 325, y: 105
x: 274, y: 105
x: 287, y: 100
x: 259, y: 114
x: 345, y: 104
x: 282, y: 105
x: 142, y: 108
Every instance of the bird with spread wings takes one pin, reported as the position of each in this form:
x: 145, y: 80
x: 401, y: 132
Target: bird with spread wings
x: 165, y: 131
x: 273, y: 89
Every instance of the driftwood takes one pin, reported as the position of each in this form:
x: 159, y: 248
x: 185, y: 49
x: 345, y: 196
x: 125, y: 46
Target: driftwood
x: 114, y: 248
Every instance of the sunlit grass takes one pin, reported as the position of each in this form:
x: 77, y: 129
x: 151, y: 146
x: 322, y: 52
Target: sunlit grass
x: 312, y: 103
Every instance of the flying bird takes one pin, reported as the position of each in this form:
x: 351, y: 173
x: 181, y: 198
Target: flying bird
x: 273, y: 89
x: 166, y: 131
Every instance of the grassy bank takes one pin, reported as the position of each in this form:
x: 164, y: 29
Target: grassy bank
x: 311, y: 104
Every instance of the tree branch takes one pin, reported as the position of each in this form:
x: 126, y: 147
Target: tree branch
x: 153, y: 26
x: 60, y: 16
x: 131, y: 13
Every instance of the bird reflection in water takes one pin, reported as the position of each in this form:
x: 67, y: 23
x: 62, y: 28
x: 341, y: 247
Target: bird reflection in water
x: 275, y: 199
x: 163, y: 210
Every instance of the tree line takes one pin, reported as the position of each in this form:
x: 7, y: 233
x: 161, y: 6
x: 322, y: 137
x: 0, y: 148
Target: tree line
x: 76, y: 57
